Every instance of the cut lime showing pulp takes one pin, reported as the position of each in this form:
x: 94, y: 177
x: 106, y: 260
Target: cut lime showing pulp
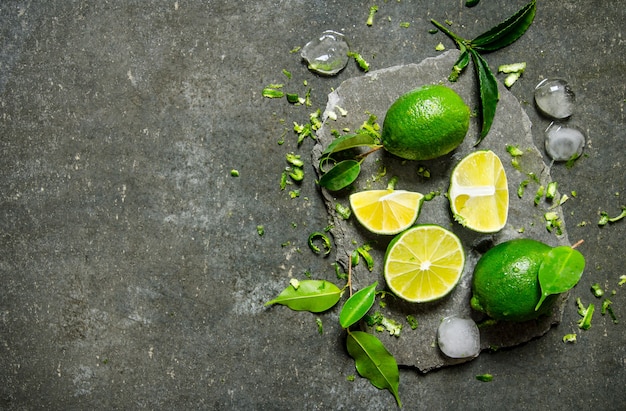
x: 386, y: 211
x: 424, y: 263
x: 479, y: 194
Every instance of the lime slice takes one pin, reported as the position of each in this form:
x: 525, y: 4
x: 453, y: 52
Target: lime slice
x: 424, y: 263
x: 386, y: 211
x: 479, y: 194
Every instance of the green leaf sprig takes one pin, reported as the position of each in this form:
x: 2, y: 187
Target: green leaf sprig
x: 494, y: 39
x: 372, y: 360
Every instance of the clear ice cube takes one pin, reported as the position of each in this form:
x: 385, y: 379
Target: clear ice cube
x: 564, y: 143
x: 458, y: 337
x: 327, y: 54
x: 555, y: 98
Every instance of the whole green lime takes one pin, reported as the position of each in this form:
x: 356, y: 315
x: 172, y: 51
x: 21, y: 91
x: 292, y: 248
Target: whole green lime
x: 506, y: 286
x: 425, y: 123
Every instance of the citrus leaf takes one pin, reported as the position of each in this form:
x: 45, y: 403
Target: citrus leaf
x: 460, y: 65
x: 357, y: 306
x: 309, y: 295
x: 506, y: 32
x: 349, y: 141
x: 374, y: 362
x: 560, y: 270
x: 489, y: 94
x: 341, y: 175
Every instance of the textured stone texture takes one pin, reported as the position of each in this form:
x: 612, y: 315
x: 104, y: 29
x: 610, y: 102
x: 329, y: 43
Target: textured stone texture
x: 132, y: 274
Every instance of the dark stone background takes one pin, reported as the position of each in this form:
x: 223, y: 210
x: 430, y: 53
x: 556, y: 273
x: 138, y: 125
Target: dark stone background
x: 133, y: 276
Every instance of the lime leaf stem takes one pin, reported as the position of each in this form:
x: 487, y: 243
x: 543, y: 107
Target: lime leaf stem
x: 496, y: 38
x: 460, y: 41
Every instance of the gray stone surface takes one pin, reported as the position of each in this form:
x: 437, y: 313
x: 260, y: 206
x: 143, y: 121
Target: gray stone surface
x: 132, y: 273
x: 373, y: 93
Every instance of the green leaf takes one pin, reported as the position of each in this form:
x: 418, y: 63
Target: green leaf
x: 341, y: 175
x: 310, y: 295
x: 374, y: 362
x: 506, y: 32
x: 560, y: 270
x: 460, y: 65
x: 357, y: 306
x: 349, y: 141
x: 489, y: 94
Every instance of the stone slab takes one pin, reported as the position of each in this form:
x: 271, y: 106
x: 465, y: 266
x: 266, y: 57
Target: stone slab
x: 373, y: 93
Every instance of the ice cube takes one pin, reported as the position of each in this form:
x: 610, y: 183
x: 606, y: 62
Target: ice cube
x: 458, y: 337
x: 564, y: 143
x: 554, y: 98
x: 327, y: 54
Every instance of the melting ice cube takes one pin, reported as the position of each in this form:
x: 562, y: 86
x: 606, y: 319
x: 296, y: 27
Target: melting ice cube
x: 458, y: 337
x: 327, y: 54
x: 564, y: 143
x: 555, y: 98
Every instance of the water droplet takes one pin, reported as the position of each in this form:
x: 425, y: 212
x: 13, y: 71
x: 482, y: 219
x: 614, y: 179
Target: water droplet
x: 327, y: 54
x: 564, y: 143
x: 555, y: 98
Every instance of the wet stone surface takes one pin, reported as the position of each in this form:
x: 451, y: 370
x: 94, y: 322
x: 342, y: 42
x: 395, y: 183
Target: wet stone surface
x: 373, y: 93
